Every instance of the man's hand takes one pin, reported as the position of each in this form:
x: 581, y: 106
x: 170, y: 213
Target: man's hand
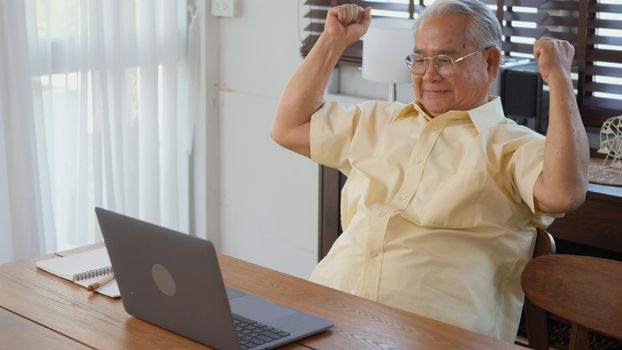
x: 554, y: 58
x: 348, y: 22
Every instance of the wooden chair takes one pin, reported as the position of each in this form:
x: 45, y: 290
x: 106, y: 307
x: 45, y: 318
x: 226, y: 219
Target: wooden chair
x: 545, y: 243
x: 536, y: 322
x: 585, y: 291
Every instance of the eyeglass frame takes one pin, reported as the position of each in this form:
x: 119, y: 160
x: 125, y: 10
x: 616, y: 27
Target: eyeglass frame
x: 409, y: 61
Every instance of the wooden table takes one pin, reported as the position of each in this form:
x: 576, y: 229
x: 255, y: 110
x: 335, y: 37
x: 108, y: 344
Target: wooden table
x: 39, y: 310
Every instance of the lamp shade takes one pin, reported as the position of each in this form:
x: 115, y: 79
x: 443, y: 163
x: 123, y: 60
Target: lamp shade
x: 385, y: 46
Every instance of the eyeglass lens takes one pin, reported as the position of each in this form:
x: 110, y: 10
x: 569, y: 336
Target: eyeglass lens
x: 444, y: 65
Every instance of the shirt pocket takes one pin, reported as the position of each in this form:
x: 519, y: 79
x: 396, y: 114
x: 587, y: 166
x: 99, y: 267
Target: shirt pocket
x: 465, y: 200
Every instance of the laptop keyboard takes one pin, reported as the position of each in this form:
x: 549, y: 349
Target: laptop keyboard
x: 252, y: 334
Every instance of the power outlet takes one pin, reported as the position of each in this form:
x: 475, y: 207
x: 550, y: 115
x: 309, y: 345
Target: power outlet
x: 224, y: 8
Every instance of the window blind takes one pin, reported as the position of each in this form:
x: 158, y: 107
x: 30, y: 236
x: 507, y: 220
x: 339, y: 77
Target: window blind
x: 593, y: 27
x: 319, y: 8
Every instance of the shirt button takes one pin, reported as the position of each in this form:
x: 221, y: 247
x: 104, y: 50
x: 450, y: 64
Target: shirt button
x: 417, y: 160
x: 435, y: 128
x: 353, y: 292
x: 373, y: 253
x: 403, y: 197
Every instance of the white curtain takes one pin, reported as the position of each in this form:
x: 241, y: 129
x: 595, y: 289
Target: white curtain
x: 94, y: 110
x: 24, y: 177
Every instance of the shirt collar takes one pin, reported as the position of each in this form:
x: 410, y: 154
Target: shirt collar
x: 408, y: 110
x: 484, y: 116
x: 488, y: 114
x: 412, y: 109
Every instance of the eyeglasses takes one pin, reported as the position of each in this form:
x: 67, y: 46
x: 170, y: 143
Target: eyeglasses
x: 443, y: 64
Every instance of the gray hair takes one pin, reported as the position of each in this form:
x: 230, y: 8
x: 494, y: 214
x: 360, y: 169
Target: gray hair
x: 483, y: 27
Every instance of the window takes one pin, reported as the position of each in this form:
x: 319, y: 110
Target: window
x: 110, y: 81
x: 593, y: 27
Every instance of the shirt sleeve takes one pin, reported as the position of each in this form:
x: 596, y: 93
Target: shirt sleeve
x: 332, y: 130
x: 525, y: 166
x: 337, y: 130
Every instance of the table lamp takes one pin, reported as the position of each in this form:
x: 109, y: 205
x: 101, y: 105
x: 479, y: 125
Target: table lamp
x: 385, y: 46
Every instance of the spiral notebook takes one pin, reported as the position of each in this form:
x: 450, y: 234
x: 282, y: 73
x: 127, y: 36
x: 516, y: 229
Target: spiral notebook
x: 84, y: 269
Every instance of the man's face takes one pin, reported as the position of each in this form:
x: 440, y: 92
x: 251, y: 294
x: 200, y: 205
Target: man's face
x: 467, y: 88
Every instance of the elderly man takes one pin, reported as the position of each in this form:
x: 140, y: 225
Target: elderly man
x: 443, y: 194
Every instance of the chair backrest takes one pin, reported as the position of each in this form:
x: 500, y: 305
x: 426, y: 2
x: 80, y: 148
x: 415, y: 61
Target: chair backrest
x: 545, y: 243
x: 585, y: 291
x: 536, y: 318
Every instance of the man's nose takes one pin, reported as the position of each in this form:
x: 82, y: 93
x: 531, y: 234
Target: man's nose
x: 430, y: 72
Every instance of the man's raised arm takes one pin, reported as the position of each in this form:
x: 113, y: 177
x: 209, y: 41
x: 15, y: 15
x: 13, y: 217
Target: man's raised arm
x: 304, y: 92
x: 563, y: 182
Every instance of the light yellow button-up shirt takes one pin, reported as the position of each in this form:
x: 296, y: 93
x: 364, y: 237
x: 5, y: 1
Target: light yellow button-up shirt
x: 437, y: 213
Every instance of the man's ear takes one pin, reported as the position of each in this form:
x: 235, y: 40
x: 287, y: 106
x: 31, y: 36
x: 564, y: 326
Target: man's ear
x: 493, y: 59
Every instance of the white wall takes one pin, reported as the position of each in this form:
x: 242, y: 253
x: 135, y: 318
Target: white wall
x: 269, y: 196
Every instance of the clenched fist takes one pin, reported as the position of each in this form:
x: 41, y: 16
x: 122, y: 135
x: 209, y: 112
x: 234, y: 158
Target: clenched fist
x: 554, y: 58
x: 347, y: 22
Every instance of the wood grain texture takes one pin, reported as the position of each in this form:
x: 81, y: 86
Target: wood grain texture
x: 69, y: 309
x: 583, y: 290
x: 359, y: 323
x: 19, y: 333
x: 101, y: 322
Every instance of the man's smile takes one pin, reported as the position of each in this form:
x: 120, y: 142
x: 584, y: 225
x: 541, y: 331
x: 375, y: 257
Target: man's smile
x: 435, y: 92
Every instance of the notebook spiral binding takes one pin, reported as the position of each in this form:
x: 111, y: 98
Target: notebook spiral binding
x: 92, y: 273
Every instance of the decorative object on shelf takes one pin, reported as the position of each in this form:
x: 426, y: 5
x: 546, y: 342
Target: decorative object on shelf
x: 609, y: 171
x: 611, y: 141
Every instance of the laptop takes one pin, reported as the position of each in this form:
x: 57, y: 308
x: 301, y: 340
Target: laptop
x: 173, y: 280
